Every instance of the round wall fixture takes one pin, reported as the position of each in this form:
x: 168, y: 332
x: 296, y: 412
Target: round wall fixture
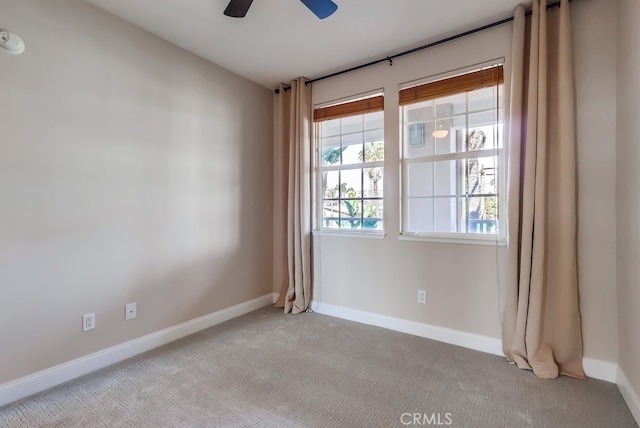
x: 11, y: 43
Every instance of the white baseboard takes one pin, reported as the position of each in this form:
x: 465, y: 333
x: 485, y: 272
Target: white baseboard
x: 441, y: 334
x: 629, y: 394
x: 597, y: 369
x: 34, y: 383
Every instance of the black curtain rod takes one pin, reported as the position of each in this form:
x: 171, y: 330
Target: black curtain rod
x: 419, y: 48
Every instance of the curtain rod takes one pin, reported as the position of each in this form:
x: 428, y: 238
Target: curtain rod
x: 419, y: 48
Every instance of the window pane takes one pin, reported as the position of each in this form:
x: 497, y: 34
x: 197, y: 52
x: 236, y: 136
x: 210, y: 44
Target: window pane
x: 483, y: 99
x: 420, y: 215
x: 330, y: 215
x: 329, y: 128
x: 356, y: 139
x: 482, y: 215
x: 452, y: 105
x: 374, y: 146
x: 373, y: 182
x: 352, y: 124
x: 446, y: 134
x: 446, y: 214
x: 352, y: 155
x: 420, y: 179
x: 458, y: 195
x: 351, y: 185
x: 419, y: 140
x: 481, y: 176
x: 351, y: 172
x: 500, y: 128
x: 352, y: 146
x: 374, y: 120
x: 485, y: 118
x: 444, y: 141
x: 480, y: 138
x: 447, y: 176
x: 452, y: 209
x: 330, y: 180
x: 373, y: 215
x: 419, y: 112
x: 351, y: 214
x: 331, y: 151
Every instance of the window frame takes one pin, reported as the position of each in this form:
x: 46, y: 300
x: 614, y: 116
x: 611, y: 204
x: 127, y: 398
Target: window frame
x: 436, y: 88
x: 361, y: 105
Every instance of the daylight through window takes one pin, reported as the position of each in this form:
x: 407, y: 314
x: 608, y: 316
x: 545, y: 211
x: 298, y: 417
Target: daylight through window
x: 350, y: 139
x: 452, y: 155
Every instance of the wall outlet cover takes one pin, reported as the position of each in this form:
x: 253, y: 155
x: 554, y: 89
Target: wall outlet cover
x: 130, y: 311
x: 422, y: 296
x: 88, y: 321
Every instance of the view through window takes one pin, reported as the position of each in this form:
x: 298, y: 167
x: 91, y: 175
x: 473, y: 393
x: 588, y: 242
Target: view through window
x: 351, y: 166
x: 452, y: 155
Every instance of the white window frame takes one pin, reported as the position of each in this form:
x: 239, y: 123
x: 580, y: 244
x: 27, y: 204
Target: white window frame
x: 319, y: 196
x: 497, y: 239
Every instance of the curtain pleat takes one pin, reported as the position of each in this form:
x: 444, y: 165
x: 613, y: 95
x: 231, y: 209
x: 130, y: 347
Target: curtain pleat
x: 541, y: 318
x: 292, y: 196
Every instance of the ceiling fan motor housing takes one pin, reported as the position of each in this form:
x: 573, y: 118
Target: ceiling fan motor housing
x: 321, y: 8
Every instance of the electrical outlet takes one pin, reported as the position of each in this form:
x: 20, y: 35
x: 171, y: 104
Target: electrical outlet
x: 422, y: 296
x: 130, y: 311
x: 88, y: 321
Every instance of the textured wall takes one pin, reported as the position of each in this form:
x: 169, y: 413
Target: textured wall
x: 594, y: 40
x: 628, y: 192
x: 130, y: 170
x: 383, y: 276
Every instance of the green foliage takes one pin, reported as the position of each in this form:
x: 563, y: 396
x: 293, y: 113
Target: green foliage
x: 490, y: 208
x: 354, y: 209
x: 351, y: 201
x: 331, y: 155
x: 372, y: 152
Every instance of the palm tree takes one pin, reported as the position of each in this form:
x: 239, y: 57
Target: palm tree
x: 373, y: 152
x: 330, y: 155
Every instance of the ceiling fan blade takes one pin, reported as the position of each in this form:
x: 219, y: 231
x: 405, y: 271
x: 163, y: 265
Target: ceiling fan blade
x: 321, y: 8
x: 238, y: 8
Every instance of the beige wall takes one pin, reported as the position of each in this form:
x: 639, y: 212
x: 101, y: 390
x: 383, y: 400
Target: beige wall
x: 130, y: 170
x: 594, y: 40
x: 628, y: 191
x: 383, y: 276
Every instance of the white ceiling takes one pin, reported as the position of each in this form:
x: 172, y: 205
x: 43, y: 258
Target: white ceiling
x: 280, y: 40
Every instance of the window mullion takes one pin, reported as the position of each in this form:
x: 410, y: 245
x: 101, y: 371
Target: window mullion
x: 353, y: 166
x: 364, y: 159
x: 467, y: 171
x: 484, y: 153
x: 352, y: 144
x: 470, y: 171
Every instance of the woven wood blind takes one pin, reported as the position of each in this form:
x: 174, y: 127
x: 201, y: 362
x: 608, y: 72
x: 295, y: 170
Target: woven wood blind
x: 367, y: 105
x: 453, y: 85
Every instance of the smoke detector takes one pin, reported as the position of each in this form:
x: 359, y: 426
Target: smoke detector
x: 10, y: 42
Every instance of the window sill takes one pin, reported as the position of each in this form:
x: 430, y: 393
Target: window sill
x: 345, y: 234
x: 494, y: 241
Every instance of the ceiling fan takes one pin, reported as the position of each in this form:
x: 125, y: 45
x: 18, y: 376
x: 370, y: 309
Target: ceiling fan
x: 321, y: 8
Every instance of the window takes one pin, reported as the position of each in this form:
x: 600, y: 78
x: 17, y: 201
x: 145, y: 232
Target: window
x: 452, y: 155
x: 350, y: 153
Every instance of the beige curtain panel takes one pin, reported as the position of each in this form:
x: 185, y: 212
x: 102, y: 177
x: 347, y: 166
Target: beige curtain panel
x: 541, y: 318
x: 292, y: 196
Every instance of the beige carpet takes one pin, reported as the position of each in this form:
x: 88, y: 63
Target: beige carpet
x: 267, y: 369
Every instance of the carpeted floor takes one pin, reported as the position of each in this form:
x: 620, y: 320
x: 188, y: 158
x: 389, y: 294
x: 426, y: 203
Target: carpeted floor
x: 267, y: 369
